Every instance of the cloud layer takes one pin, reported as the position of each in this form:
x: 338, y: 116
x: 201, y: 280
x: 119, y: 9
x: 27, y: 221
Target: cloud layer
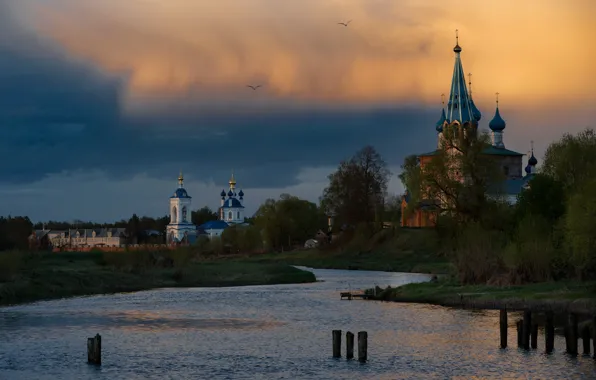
x: 119, y: 94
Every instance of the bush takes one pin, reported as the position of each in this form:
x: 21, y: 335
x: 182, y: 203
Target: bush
x: 531, y: 253
x: 478, y: 254
x: 11, y: 263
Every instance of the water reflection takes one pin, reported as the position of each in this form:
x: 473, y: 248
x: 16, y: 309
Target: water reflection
x: 266, y: 332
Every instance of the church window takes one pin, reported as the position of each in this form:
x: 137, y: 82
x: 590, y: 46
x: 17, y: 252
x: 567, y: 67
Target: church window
x: 455, y: 105
x: 238, y: 217
x: 506, y: 170
x: 184, y: 214
x: 230, y: 215
x: 174, y: 214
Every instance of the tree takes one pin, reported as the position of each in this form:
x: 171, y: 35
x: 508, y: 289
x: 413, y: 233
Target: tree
x: 457, y: 178
x: 545, y: 197
x: 203, y: 215
x: 572, y: 160
x: 357, y: 190
x: 580, y: 228
x: 392, y: 211
x: 288, y: 221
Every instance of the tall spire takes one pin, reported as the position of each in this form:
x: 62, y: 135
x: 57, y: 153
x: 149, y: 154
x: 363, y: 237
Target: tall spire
x: 459, y: 107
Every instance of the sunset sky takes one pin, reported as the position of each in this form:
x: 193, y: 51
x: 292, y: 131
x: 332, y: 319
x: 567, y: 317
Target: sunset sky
x: 103, y: 102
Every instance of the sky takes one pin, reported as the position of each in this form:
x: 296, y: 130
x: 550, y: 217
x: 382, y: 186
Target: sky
x: 104, y: 102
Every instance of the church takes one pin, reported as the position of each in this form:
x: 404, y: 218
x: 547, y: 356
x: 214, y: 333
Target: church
x: 462, y: 113
x: 181, y: 229
x: 230, y: 211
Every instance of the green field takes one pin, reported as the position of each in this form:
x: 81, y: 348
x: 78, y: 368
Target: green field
x: 26, y: 277
x: 391, y: 251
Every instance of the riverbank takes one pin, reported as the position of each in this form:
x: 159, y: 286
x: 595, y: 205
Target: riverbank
x: 574, y: 296
x: 27, y: 277
x: 400, y: 250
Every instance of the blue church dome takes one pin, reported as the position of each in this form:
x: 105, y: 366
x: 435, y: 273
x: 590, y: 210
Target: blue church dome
x: 232, y: 203
x: 230, y: 193
x: 528, y: 169
x: 532, y: 161
x: 241, y: 193
x: 475, y: 111
x: 223, y: 193
x: 497, y: 124
x: 442, y: 120
x: 180, y: 193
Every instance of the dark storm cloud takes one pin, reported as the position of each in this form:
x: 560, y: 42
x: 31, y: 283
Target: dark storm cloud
x: 61, y: 115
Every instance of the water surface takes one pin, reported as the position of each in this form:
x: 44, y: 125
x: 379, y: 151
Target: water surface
x: 267, y: 332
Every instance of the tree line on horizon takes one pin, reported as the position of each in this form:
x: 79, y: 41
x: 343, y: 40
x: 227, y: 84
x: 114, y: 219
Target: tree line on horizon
x: 356, y: 195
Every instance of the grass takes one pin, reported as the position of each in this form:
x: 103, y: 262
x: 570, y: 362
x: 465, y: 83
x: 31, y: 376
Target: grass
x: 450, y: 293
x: 27, y: 277
x: 391, y: 251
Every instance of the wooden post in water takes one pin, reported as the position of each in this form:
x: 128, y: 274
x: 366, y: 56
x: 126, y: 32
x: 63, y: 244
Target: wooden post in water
x: 362, y: 346
x: 503, y: 327
x: 572, y: 334
x: 534, y: 337
x: 549, y: 332
x: 520, y: 337
x: 336, y: 334
x: 586, y: 339
x: 527, y: 326
x: 594, y: 335
x: 349, y: 345
x: 94, y: 350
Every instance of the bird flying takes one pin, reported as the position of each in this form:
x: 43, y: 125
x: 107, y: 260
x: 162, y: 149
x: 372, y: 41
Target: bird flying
x: 344, y: 23
x: 254, y: 87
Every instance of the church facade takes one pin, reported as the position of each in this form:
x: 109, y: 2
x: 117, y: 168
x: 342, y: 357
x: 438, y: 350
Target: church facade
x: 231, y: 209
x: 181, y: 229
x: 462, y: 113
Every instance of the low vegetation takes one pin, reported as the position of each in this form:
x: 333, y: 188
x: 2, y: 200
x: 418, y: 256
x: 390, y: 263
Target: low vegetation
x: 26, y: 277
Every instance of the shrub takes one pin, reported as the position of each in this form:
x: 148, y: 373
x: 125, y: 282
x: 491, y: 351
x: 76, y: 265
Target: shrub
x: 478, y: 254
x: 10, y: 264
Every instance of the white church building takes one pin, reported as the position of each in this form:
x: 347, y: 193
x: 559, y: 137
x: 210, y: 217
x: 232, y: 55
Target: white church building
x: 181, y: 229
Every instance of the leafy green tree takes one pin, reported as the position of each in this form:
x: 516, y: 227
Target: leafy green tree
x: 580, y: 228
x: 357, y: 189
x: 545, y: 197
x: 457, y: 178
x: 203, y: 215
x: 572, y: 160
x: 288, y: 221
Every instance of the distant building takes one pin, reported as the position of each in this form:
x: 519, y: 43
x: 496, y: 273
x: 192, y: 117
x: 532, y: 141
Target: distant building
x: 462, y: 113
x: 92, y: 237
x: 231, y: 209
x: 213, y: 228
x: 180, y: 229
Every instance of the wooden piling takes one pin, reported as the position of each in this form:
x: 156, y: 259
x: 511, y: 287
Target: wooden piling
x: 520, y: 337
x: 362, y: 346
x: 534, y: 337
x: 336, y: 335
x: 349, y: 345
x: 527, y: 327
x: 594, y: 335
x: 549, y: 332
x: 503, y: 327
x: 586, y: 339
x: 572, y: 334
x: 94, y: 350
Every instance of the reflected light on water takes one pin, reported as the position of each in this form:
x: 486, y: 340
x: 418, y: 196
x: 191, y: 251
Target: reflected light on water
x: 267, y: 332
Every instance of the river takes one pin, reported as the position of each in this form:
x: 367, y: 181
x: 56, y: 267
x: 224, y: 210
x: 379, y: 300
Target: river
x: 267, y: 332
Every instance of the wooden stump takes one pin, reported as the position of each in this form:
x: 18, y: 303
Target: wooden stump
x: 572, y: 334
x: 362, y: 346
x: 549, y: 332
x: 527, y: 327
x: 94, y: 350
x: 594, y: 335
x: 349, y: 345
x: 336, y: 343
x: 586, y: 339
x: 534, y: 337
x: 520, y: 336
x: 503, y: 327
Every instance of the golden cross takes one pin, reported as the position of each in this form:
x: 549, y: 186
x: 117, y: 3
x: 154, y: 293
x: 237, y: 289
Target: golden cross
x: 497, y: 94
x: 456, y: 37
x: 443, y: 99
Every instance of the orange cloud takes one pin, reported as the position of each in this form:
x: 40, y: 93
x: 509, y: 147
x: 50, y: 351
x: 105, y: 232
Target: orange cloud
x: 533, y: 52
